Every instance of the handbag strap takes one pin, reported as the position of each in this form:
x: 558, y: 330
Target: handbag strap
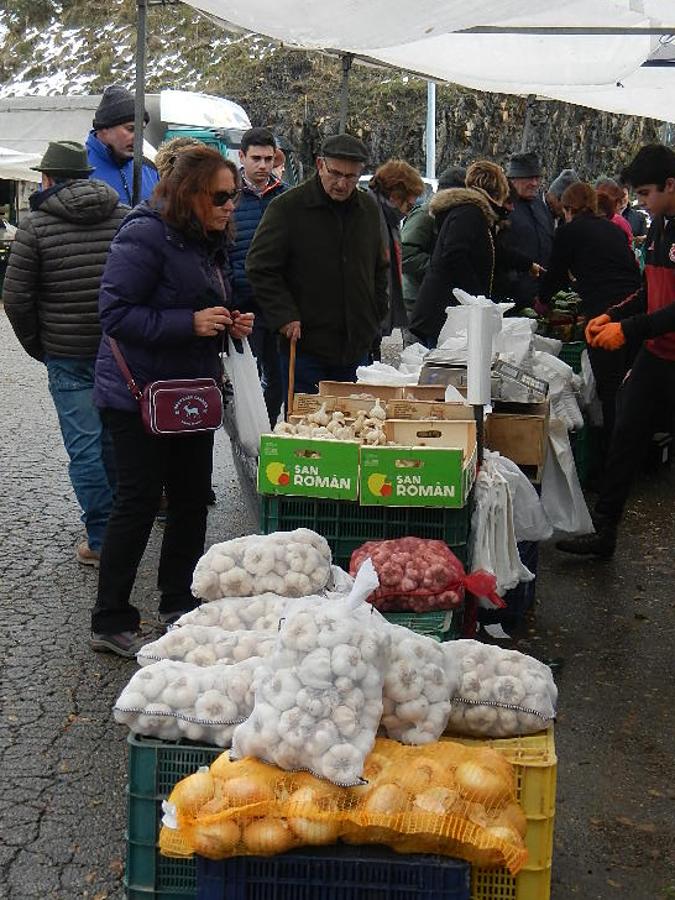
x: 124, y: 369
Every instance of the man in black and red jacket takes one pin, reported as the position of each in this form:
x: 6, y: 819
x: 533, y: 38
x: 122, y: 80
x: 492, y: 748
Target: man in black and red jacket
x: 649, y: 315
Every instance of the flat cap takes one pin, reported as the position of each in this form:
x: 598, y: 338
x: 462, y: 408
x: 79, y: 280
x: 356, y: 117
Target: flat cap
x: 345, y: 146
x: 524, y: 165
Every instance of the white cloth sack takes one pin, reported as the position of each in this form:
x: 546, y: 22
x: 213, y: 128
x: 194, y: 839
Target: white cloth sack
x: 561, y: 494
x: 250, y: 413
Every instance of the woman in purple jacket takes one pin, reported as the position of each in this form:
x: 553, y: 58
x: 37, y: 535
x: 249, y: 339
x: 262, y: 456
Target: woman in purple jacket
x: 165, y: 298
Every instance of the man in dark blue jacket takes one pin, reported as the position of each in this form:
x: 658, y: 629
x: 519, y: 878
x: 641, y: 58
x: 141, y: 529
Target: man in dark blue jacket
x: 259, y: 188
x: 110, y: 145
x: 531, y: 227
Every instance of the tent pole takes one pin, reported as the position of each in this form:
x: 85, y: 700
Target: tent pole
x: 139, y: 108
x: 347, y: 59
x: 431, y: 129
x: 528, y: 126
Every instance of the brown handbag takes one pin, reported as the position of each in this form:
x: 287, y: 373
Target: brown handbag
x: 175, y: 406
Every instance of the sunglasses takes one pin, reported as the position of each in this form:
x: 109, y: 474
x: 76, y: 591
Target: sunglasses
x: 220, y: 198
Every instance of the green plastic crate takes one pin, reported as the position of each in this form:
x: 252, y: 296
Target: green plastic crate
x: 441, y: 626
x: 346, y: 525
x: 571, y: 354
x: 154, y: 768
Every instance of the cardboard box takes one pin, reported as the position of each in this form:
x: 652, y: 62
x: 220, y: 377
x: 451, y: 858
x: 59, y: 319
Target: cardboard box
x: 434, y: 465
x: 357, y: 390
x: 519, y: 431
x: 427, y: 409
x: 309, y: 403
x: 302, y: 467
x: 430, y: 392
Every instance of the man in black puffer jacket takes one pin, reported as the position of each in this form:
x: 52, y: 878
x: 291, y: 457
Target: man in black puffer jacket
x: 51, y: 299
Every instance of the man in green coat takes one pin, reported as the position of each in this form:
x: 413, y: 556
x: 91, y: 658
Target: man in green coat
x: 318, y: 268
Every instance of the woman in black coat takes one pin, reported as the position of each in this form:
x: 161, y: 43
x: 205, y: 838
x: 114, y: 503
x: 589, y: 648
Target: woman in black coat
x: 464, y: 254
x: 605, y: 270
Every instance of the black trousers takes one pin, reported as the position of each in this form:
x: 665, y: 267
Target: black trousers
x: 609, y: 370
x: 180, y: 464
x: 649, y: 386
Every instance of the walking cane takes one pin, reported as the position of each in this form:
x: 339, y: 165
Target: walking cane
x: 291, y: 377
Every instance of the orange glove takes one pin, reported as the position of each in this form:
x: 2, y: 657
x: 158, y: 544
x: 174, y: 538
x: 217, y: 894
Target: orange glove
x: 594, y: 326
x: 610, y: 337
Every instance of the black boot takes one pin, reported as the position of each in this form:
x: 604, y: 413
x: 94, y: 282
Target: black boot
x: 602, y: 543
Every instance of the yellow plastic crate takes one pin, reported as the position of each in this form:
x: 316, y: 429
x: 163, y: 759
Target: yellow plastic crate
x: 535, y: 764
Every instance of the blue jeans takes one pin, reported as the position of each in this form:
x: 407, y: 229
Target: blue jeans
x: 91, y: 468
x: 309, y: 371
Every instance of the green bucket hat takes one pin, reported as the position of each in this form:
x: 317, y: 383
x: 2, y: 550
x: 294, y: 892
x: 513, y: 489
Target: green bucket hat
x: 65, y: 158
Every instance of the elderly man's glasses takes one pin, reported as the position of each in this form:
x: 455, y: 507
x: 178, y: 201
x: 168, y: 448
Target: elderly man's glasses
x: 341, y: 176
x: 220, y: 198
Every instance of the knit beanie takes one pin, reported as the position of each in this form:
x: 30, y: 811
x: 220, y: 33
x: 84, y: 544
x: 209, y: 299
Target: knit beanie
x: 562, y: 182
x: 116, y: 107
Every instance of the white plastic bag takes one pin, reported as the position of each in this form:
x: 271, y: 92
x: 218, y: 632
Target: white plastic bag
x: 318, y: 698
x: 288, y: 563
x: 529, y: 519
x: 206, y: 645
x: 250, y: 413
x: 172, y: 700
x: 561, y: 494
x: 500, y: 693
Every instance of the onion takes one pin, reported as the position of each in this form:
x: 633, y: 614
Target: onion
x: 483, y: 785
x: 223, y: 767
x: 190, y: 794
x: 266, y: 836
x: 244, y: 790
x: 504, y: 833
x: 386, y: 799
x: 214, y: 839
x: 310, y: 831
x: 436, y: 800
x: 375, y: 763
x: 423, y: 773
x: 513, y: 817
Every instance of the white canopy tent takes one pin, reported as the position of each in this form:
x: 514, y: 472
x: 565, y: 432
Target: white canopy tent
x: 589, y: 52
x: 15, y: 166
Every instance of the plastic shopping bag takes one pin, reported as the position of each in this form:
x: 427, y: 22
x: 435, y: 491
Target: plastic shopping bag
x: 561, y: 493
x: 529, y: 519
x: 250, y: 413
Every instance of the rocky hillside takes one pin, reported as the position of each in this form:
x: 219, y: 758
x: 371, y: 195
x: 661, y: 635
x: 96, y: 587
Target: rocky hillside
x: 80, y: 46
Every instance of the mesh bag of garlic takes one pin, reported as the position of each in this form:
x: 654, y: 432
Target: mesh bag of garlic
x: 420, y: 575
x: 318, y: 697
x: 206, y: 645
x: 256, y: 613
x: 498, y: 693
x: 287, y: 563
x: 443, y: 798
x: 172, y: 700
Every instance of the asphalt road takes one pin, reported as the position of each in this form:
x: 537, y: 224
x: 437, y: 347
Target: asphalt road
x: 63, y: 759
